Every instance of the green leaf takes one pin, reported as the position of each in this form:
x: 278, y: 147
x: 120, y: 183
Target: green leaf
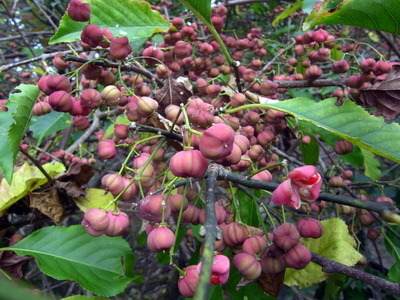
x: 95, y: 263
x: 249, y: 291
x: 110, y: 129
x: 350, y: 122
x: 333, y: 286
x: 12, y: 125
x: 394, y: 272
x: 287, y: 12
x: 132, y: 18
x: 381, y: 15
x: 95, y: 198
x: 310, y: 151
x: 46, y: 125
x: 12, y: 290
x: 248, y: 208
x: 354, y: 158
x: 371, y: 165
x: 26, y: 179
x: 335, y: 244
x: 308, y: 6
x: 200, y: 8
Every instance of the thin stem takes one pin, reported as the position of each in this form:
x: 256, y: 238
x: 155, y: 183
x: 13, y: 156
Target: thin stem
x: 38, y: 165
x: 212, y: 231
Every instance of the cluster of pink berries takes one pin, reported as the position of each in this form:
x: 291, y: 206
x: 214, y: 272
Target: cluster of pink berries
x: 98, y: 222
x: 238, y: 140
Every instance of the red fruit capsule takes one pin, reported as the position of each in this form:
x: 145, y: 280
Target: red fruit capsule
x: 78, y: 11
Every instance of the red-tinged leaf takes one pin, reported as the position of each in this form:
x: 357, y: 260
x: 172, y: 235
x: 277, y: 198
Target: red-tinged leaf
x: 173, y: 92
x: 384, y: 95
x: 12, y: 263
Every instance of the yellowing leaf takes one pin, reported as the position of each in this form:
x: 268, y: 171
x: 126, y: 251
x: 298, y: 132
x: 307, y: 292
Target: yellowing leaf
x: 335, y: 244
x: 26, y: 179
x: 95, y: 198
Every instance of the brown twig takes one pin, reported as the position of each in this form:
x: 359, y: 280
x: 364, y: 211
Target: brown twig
x: 330, y: 266
x: 37, y: 164
x: 391, y: 44
x: 28, y: 61
x: 39, y: 6
x: 97, y: 116
x: 11, y: 38
x: 317, y: 83
x: 124, y: 67
x: 11, y: 16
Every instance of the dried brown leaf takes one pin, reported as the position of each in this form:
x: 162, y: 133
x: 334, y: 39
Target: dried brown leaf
x: 271, y: 283
x: 173, y: 92
x: 12, y: 263
x: 384, y: 95
x: 48, y: 203
x: 70, y: 188
x: 77, y: 172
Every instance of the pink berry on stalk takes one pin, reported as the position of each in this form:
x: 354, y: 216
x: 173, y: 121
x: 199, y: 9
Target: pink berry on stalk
x: 120, y: 48
x: 343, y: 147
x: 78, y: 110
x: 219, y: 212
x: 297, y: 257
x: 336, y: 181
x: 118, y: 223
x: 175, y: 202
x: 247, y: 265
x: 113, y: 183
x: 272, y: 264
x: 190, y: 163
x: 108, y: 36
x: 191, y: 215
x: 58, y: 83
x: 188, y: 283
x: 92, y: 35
x: 121, y: 131
x: 234, y: 234
x: 95, y: 221
x: 132, y: 189
x: 310, y: 228
x: 41, y: 108
x: 313, y: 73
x: 59, y: 63
x: 217, y: 141
x: 90, y: 98
x: 373, y: 234
x: 111, y: 95
x: 78, y: 11
x: 152, y: 208
x: 286, y: 236
x: 146, y: 106
x: 233, y: 158
x: 81, y: 122
x: 106, y: 149
x: 237, y: 100
x: 61, y: 101
x: 340, y: 66
x: 254, y: 244
x: 153, y: 52
x: 200, y: 113
x: 160, y: 239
